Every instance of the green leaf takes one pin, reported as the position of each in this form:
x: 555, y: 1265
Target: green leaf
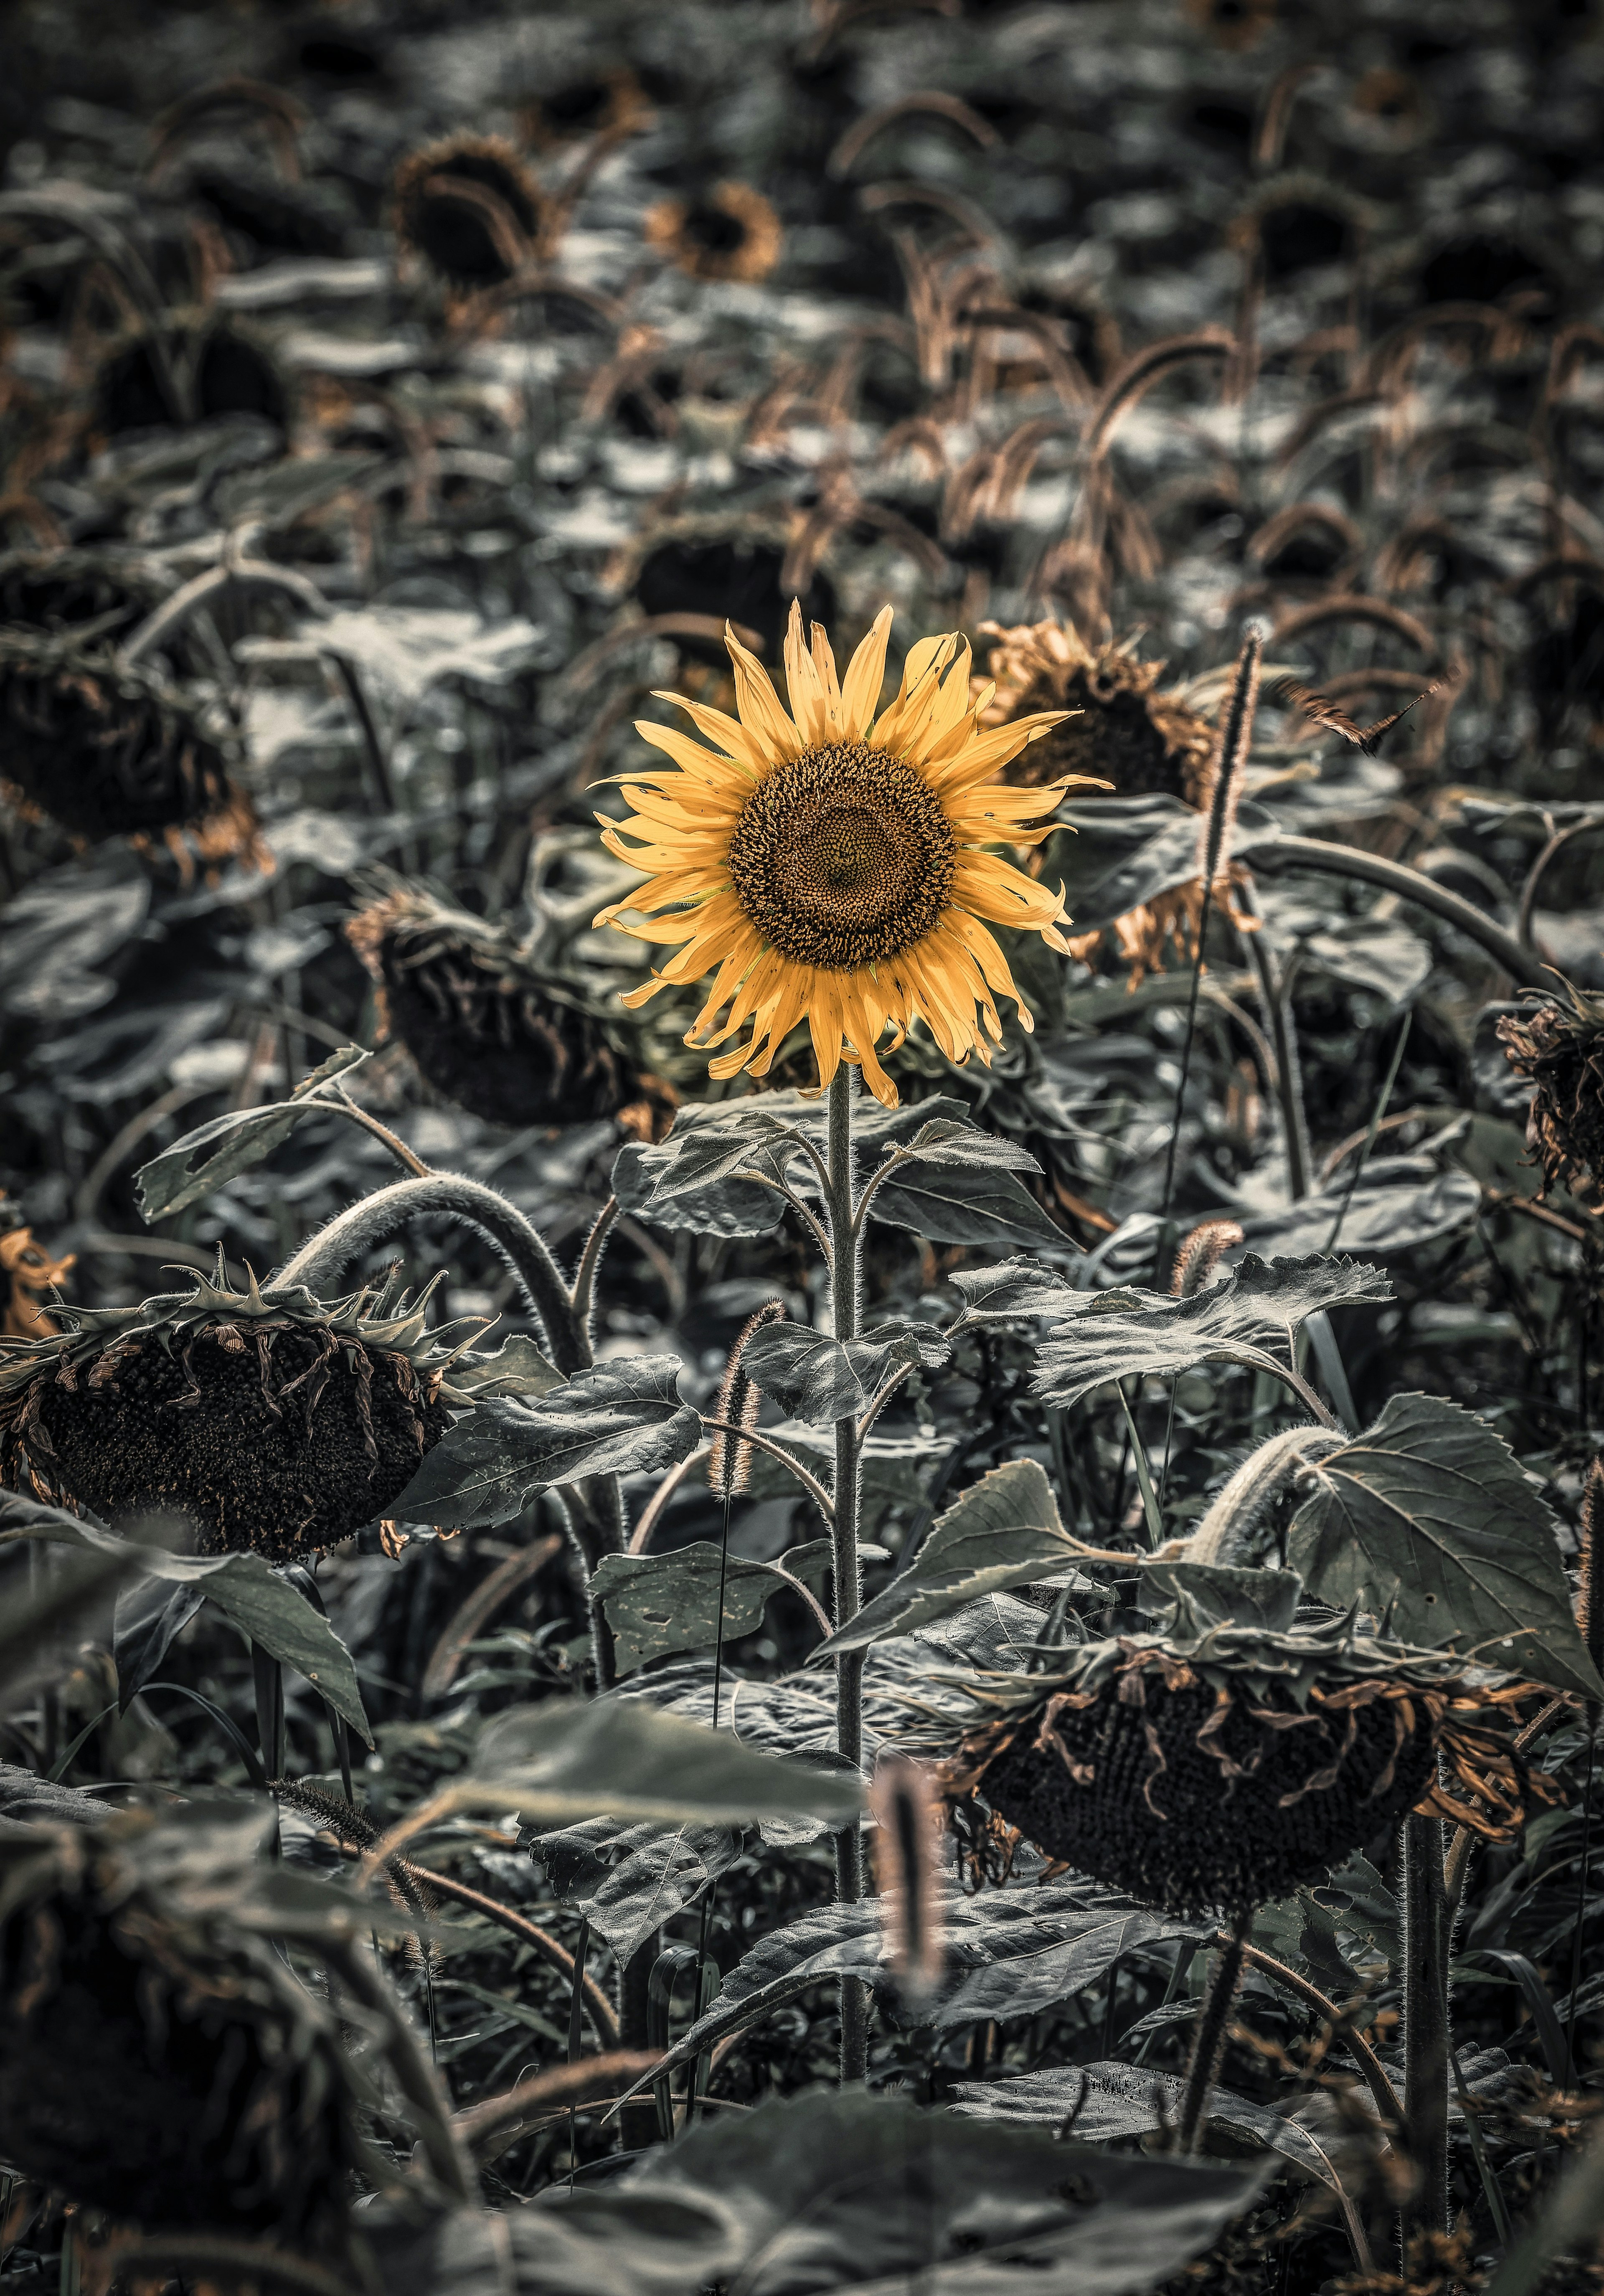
x: 624, y: 1759
x: 823, y: 1380
x: 1430, y: 1521
x: 851, y: 2192
x: 1099, y: 1336
x: 620, y: 1418
x: 182, y: 1174
x: 656, y: 1603
x: 1004, y: 1531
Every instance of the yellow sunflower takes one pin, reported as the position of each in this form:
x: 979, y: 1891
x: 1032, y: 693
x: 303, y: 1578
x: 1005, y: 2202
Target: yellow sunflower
x: 833, y: 866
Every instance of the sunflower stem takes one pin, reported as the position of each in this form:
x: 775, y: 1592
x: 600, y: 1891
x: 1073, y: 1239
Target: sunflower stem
x: 1209, y: 2044
x: 846, y: 1277
x: 1425, y: 2026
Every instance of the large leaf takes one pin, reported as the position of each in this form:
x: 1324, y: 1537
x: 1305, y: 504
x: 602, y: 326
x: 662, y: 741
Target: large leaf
x: 847, y: 2191
x: 629, y: 1881
x: 1400, y: 1203
x: 1098, y: 1336
x: 1008, y: 1953
x: 1429, y: 1520
x: 624, y: 1417
x: 823, y: 1380
x: 958, y: 1186
x: 245, y: 1588
x: 1098, y: 2104
x: 624, y: 1759
x: 192, y: 1167
x: 1004, y: 1531
x: 1128, y: 850
x: 656, y: 1603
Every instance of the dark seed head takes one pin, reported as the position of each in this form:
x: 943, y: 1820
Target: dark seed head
x: 470, y: 207
x: 491, y: 1032
x: 1125, y: 733
x: 166, y: 2077
x: 1201, y: 1801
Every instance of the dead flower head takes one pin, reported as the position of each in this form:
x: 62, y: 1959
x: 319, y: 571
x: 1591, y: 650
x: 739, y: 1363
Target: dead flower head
x: 729, y: 232
x: 470, y: 207
x: 1559, y: 1043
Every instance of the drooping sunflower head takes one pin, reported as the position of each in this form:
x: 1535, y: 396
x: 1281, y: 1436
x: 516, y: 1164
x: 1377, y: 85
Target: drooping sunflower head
x: 1559, y: 1043
x: 1117, y: 730
x: 730, y: 233
x: 836, y: 866
x: 470, y: 207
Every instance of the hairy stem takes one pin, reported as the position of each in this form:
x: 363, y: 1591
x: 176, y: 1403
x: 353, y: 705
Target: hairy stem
x: 846, y: 1278
x: 374, y: 1218
x: 1218, y: 1537
x: 1208, y: 2042
x: 1425, y: 2025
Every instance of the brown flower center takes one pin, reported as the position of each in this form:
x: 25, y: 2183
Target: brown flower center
x: 842, y: 857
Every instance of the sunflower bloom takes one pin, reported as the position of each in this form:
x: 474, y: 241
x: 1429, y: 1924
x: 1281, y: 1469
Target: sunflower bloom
x: 835, y: 867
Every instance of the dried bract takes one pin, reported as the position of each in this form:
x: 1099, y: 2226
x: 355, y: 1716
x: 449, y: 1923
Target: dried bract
x: 1559, y: 1043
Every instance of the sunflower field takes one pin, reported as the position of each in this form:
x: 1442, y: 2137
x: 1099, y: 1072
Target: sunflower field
x: 801, y: 1148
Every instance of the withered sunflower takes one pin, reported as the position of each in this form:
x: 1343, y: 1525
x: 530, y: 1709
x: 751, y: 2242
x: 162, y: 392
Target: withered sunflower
x: 1118, y: 731
x: 1559, y: 1043
x: 833, y: 864
x: 1202, y: 1767
x: 107, y: 748
x: 490, y: 1028
x: 470, y: 207
x: 268, y: 1420
x: 158, y: 2061
x: 27, y: 1273
x: 731, y: 232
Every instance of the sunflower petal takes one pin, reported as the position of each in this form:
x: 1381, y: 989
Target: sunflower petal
x: 866, y: 675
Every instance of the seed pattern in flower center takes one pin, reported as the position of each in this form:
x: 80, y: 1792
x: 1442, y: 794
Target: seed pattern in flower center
x: 841, y: 857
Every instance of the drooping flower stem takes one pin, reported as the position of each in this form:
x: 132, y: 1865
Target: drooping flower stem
x: 1425, y: 2025
x: 846, y: 1277
x: 1208, y: 2042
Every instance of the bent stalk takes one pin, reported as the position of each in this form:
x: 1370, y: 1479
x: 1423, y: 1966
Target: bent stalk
x: 1425, y: 2026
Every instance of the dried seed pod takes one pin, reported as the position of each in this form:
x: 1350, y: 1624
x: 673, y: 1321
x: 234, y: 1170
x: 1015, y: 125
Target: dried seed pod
x: 1559, y: 1043
x: 108, y: 749
x: 730, y: 231
x: 270, y: 1421
x: 1212, y: 1768
x: 470, y: 207
x: 492, y: 1030
x: 1124, y: 732
x: 157, y: 2060
x: 27, y: 1273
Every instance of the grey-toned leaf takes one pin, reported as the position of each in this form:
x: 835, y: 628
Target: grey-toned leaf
x: 628, y: 1882
x: 955, y: 1144
x: 1128, y: 850
x: 1400, y: 1203
x: 148, y: 1617
x: 1380, y: 954
x: 1004, y: 1531
x: 517, y: 1367
x: 1097, y: 1336
x: 1008, y: 1953
x: 823, y: 1380
x: 972, y: 1202
x: 1429, y: 1520
x: 56, y: 931
x: 1098, y: 2103
x: 626, y: 1759
x: 656, y: 1603
x: 244, y: 1587
x: 216, y: 1151
x: 624, y: 1417
x: 851, y: 2192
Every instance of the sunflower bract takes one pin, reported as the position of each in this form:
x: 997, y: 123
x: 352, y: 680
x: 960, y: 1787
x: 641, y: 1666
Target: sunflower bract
x: 834, y: 865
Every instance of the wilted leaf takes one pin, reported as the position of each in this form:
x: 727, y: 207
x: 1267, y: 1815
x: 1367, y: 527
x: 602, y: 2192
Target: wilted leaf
x: 182, y: 1173
x: 1097, y: 1336
x: 1430, y: 1521
x: 624, y: 1417
x: 517, y: 1367
x: 1098, y: 2104
x: 1004, y: 1531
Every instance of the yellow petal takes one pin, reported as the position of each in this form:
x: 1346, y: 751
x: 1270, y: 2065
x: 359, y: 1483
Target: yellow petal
x: 727, y: 731
x: 759, y: 705
x: 866, y: 675
x: 809, y: 702
x: 825, y: 664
